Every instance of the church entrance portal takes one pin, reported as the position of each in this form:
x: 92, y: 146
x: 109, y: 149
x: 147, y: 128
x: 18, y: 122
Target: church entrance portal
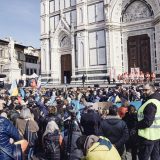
x: 139, y: 53
x: 66, y: 68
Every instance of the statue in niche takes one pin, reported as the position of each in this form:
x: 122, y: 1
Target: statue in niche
x: 11, y: 50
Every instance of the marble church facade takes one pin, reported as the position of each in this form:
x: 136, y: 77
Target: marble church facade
x: 98, y: 38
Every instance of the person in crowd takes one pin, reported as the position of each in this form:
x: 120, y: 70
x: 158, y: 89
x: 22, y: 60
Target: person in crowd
x: 26, y: 123
x: 53, y: 116
x: 149, y: 124
x: 51, y: 141
x: 141, y: 76
x: 123, y: 109
x: 153, y: 77
x: 147, y: 77
x: 97, y: 148
x: 73, y: 133
x: 90, y: 122
x: 115, y: 129
x: 7, y: 131
x: 131, y: 120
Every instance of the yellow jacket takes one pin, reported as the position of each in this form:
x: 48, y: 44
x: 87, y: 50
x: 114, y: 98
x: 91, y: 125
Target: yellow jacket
x: 102, y: 152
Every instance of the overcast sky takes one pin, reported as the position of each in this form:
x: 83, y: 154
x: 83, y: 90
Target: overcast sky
x: 20, y: 19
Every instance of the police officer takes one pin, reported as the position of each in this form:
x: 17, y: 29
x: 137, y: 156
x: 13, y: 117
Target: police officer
x: 149, y: 125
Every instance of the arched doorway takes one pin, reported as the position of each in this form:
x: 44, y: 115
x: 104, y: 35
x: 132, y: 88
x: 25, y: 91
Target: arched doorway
x: 139, y: 52
x: 66, y: 68
x: 66, y: 59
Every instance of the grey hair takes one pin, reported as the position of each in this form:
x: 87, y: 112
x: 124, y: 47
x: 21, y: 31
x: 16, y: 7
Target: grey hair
x: 25, y: 113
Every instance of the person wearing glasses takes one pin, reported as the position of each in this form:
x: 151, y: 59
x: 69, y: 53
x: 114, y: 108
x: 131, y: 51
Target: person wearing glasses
x: 149, y: 124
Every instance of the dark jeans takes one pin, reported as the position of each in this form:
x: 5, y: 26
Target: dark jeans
x: 147, y: 151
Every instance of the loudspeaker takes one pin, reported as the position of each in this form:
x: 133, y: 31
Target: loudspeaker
x: 96, y: 85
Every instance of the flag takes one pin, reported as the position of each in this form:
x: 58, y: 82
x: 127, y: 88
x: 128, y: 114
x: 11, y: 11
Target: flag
x: 117, y: 99
x: 13, y: 90
x: 39, y: 83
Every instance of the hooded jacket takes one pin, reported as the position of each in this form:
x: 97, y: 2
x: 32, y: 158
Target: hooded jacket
x: 116, y: 131
x: 102, y: 150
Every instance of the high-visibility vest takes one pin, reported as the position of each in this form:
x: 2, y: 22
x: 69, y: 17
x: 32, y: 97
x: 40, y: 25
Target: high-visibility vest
x: 153, y: 132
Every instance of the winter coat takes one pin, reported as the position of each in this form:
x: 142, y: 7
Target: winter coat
x: 90, y: 122
x: 51, y: 146
x: 7, y: 131
x: 116, y: 131
x: 21, y: 125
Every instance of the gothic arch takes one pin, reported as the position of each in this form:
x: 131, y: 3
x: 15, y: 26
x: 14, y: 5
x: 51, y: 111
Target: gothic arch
x: 64, y: 41
x: 118, y: 7
x: 136, y: 10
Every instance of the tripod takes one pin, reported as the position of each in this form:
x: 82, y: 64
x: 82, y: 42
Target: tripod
x: 71, y: 124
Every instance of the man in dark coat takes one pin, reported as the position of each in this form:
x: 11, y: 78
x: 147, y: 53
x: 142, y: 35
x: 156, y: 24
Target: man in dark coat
x: 90, y: 122
x: 115, y: 129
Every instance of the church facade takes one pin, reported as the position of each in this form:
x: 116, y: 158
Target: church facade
x: 98, y: 38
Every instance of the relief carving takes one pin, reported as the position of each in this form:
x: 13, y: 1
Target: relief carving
x: 136, y: 11
x: 65, y: 42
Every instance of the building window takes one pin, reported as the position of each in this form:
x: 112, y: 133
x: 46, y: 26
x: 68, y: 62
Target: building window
x: 96, y: 13
x: 54, y: 22
x: 27, y: 71
x: 57, y: 5
x: 71, y: 17
x: 31, y: 71
x: 51, y: 6
x: 67, y: 3
x: 97, y: 48
x: 35, y: 71
x: 73, y: 2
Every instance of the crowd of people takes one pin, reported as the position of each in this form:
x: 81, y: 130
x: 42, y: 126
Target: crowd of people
x: 62, y: 124
x: 136, y: 77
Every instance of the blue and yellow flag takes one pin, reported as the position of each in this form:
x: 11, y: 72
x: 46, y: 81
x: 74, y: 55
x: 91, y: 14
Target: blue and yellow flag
x: 13, y: 90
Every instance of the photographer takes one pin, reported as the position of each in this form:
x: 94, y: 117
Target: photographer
x: 73, y: 133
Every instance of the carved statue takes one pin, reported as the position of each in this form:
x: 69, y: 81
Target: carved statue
x: 11, y: 50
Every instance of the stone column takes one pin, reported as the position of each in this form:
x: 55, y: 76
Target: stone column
x: 157, y: 39
x: 73, y: 53
x: 55, y: 61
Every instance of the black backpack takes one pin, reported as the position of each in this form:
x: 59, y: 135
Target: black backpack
x: 51, y: 142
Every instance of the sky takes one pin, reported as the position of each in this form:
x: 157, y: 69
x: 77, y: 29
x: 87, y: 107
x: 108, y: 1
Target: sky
x: 20, y: 19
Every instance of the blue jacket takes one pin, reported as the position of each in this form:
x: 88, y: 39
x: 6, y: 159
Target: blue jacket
x: 7, y: 131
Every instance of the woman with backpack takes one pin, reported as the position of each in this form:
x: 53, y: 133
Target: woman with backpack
x: 51, y: 141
